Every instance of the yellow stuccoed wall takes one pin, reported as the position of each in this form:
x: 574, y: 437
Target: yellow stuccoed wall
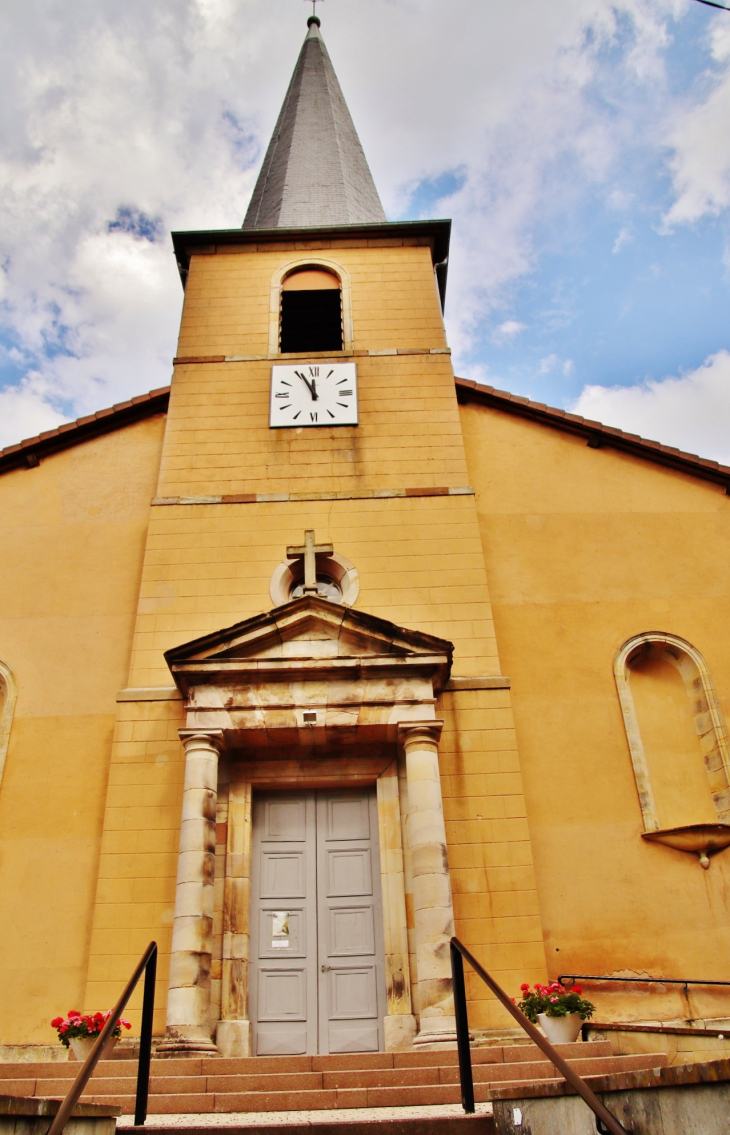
x: 420, y: 561
x: 585, y: 548
x: 72, y: 533
x: 563, y: 554
x: 490, y: 857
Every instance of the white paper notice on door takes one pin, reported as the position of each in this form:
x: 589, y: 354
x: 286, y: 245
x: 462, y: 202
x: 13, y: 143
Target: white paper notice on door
x: 280, y: 930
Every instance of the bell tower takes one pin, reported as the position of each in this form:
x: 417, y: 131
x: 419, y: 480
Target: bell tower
x: 313, y: 395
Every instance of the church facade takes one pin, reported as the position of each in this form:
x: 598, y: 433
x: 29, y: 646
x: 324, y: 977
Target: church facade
x: 322, y: 655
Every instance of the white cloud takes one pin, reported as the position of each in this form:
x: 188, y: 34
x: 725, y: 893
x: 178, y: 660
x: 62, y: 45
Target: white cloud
x: 691, y: 412
x: 624, y: 237
x: 507, y: 331
x: 25, y: 412
x: 548, y: 364
x: 700, y: 141
x: 155, y: 116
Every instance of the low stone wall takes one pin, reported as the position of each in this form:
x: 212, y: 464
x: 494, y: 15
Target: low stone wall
x: 22, y: 1116
x: 681, y: 1048
x: 32, y: 1053
x: 693, y: 1099
x: 696, y: 1109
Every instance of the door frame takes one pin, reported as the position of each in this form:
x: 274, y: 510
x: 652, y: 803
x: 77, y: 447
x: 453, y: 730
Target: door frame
x: 233, y: 1031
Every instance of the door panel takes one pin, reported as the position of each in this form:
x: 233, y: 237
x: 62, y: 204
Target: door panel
x: 348, y: 817
x: 283, y: 874
x: 283, y: 984
x: 349, y: 871
x: 285, y: 818
x: 282, y: 994
x: 351, y: 931
x: 366, y: 1038
x: 317, y: 972
x: 293, y: 939
x: 351, y: 993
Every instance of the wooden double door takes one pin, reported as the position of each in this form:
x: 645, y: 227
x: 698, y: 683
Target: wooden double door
x: 317, y: 977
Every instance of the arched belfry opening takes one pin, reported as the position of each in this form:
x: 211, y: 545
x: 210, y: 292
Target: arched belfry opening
x: 311, y: 311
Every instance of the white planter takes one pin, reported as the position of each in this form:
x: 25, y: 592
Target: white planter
x: 561, y: 1030
x: 81, y: 1046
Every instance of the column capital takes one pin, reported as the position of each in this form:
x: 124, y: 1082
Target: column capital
x: 213, y: 738
x: 420, y: 732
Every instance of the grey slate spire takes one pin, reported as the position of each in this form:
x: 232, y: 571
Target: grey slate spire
x: 315, y: 172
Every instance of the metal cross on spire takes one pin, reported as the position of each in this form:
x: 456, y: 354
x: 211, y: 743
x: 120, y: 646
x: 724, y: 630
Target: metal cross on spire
x: 314, y: 4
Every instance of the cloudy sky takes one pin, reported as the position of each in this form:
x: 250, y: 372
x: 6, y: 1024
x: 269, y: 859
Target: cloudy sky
x: 582, y: 148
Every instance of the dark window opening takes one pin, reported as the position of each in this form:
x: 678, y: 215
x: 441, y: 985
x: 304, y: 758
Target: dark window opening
x: 311, y: 320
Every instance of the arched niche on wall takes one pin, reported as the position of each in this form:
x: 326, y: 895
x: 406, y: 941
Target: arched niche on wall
x: 678, y: 742
x: 8, y: 697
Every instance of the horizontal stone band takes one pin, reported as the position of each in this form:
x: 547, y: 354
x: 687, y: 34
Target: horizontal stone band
x: 346, y: 495
x: 181, y: 360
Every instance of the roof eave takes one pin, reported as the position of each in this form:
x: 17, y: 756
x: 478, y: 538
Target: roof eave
x: 28, y: 453
x: 597, y: 435
x: 438, y: 231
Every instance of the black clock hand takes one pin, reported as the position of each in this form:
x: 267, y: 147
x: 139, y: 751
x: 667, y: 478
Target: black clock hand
x: 309, y: 385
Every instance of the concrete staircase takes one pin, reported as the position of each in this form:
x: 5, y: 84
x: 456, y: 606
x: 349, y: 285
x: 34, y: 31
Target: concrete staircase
x: 198, y: 1087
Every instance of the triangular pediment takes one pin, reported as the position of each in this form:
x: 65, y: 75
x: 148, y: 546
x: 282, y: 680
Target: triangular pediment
x: 307, y: 629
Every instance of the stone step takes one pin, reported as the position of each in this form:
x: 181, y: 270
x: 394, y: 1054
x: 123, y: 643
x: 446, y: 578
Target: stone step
x: 270, y: 1084
x: 119, y: 1086
x: 315, y: 1083
x: 358, y: 1122
x: 222, y: 1066
x: 332, y: 1092
x: 329, y: 1100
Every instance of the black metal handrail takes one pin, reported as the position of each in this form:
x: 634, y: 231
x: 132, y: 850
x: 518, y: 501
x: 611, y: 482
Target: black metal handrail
x: 148, y: 966
x: 640, y: 980
x: 459, y: 951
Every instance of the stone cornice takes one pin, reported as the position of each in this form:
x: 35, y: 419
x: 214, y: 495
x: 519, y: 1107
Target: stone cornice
x: 356, y: 668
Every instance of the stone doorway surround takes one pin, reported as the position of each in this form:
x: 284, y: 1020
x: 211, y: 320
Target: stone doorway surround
x: 312, y: 694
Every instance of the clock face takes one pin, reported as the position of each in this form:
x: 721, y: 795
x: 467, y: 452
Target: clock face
x: 313, y: 394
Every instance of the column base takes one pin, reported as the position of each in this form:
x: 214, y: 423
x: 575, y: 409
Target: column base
x: 233, y: 1038
x: 436, y: 1032
x: 176, y: 1043
x: 400, y: 1032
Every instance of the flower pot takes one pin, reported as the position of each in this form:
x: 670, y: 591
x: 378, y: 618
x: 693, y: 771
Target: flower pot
x: 81, y: 1046
x: 561, y: 1030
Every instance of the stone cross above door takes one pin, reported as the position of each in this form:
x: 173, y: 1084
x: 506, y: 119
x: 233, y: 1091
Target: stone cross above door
x: 309, y: 552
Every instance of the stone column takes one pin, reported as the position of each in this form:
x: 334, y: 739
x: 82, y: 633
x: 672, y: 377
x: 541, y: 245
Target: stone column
x: 189, y: 1027
x: 233, y: 1035
x: 400, y: 1024
x: 433, y: 908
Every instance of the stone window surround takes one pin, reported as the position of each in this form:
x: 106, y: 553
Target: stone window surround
x: 8, y: 696
x: 297, y: 265
x: 289, y: 572
x: 709, y: 723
